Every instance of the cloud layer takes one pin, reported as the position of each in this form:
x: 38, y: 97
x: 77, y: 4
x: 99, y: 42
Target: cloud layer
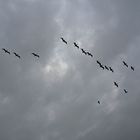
x: 55, y: 96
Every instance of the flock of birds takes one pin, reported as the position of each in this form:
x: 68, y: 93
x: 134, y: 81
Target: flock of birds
x: 17, y: 55
x: 109, y: 68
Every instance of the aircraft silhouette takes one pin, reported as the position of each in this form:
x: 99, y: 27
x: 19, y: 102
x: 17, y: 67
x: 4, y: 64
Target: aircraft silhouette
x: 76, y: 45
x: 125, y: 63
x: 111, y: 69
x: 116, y: 84
x: 83, y: 51
x: 125, y: 91
x: 98, y: 102
x: 6, y: 51
x: 17, y: 55
x: 36, y: 55
x: 106, y: 67
x: 63, y: 40
x: 132, y: 68
x: 89, y: 54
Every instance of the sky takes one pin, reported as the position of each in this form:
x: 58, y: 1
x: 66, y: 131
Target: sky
x: 55, y: 97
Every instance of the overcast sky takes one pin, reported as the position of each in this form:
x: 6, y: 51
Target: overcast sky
x: 56, y: 96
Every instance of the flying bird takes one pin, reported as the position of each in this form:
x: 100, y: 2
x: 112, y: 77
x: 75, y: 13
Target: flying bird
x: 36, y: 55
x: 63, y: 40
x: 102, y: 66
x: 76, y: 45
x: 116, y: 84
x: 125, y: 91
x: 6, y: 51
x: 125, y: 63
x: 106, y: 67
x: 83, y: 51
x: 98, y: 62
x: 17, y: 55
x: 111, y: 69
x: 132, y: 68
x: 89, y: 54
x: 98, y: 102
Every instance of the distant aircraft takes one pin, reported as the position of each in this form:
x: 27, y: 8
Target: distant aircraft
x: 116, y: 84
x: 17, y: 55
x: 35, y: 55
x: 98, y: 102
x: 6, y: 51
x: 125, y: 63
x: 76, y: 45
x: 125, y: 91
x: 132, y: 68
x: 64, y: 40
x: 106, y: 67
x: 83, y: 51
x: 111, y: 69
x: 89, y: 54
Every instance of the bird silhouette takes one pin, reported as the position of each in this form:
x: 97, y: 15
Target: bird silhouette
x: 116, y: 84
x: 102, y: 66
x: 6, y: 51
x: 132, y: 68
x: 111, y: 69
x: 98, y: 102
x: 36, y: 55
x: 89, y: 54
x: 125, y: 63
x: 125, y: 91
x: 83, y: 51
x: 106, y: 67
x: 76, y: 45
x: 63, y: 40
x: 17, y: 55
x: 98, y: 62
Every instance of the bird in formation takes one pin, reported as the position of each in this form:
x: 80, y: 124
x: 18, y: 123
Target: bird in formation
x: 125, y: 91
x: 132, y: 68
x: 36, y: 55
x: 106, y: 67
x: 98, y: 102
x: 6, y: 51
x: 83, y: 51
x: 88, y: 53
x: 111, y: 69
x: 125, y: 64
x: 76, y: 45
x: 98, y: 62
x: 63, y: 40
x: 116, y: 84
x: 17, y: 55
